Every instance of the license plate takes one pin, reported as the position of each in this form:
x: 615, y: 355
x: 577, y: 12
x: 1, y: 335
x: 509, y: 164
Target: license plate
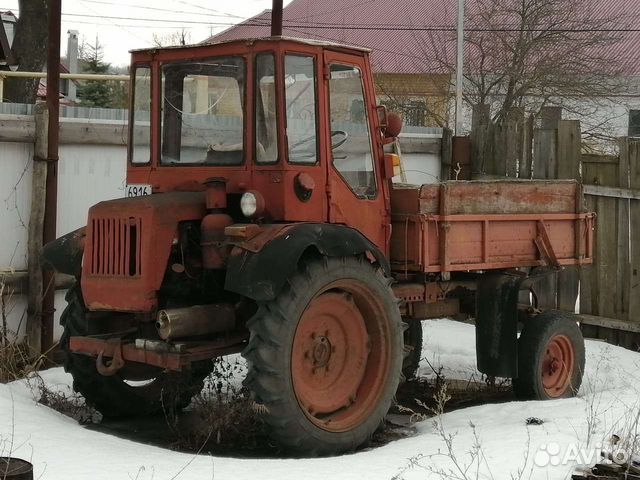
x: 138, y: 189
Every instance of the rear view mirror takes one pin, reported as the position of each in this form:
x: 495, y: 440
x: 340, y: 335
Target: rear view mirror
x: 390, y: 123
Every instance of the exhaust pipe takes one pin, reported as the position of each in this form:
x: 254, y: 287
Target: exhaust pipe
x: 197, y: 320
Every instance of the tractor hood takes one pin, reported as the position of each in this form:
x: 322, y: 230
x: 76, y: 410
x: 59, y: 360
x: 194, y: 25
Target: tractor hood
x: 128, y: 243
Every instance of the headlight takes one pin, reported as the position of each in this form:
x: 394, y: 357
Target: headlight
x: 252, y: 204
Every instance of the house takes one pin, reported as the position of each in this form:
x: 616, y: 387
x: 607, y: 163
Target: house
x: 402, y: 79
x: 7, y: 29
x: 404, y: 34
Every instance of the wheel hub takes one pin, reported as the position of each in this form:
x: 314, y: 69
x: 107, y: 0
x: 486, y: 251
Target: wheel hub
x: 557, y: 366
x: 335, y: 370
x: 321, y: 351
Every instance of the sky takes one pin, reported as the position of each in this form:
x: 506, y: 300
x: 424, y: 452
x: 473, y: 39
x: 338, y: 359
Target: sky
x: 122, y: 25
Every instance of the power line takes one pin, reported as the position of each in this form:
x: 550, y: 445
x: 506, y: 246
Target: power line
x: 124, y: 29
x: 145, y: 7
x: 207, y: 9
x: 369, y: 27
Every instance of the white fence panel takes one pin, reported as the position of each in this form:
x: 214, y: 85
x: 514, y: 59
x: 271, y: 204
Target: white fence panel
x: 87, y: 174
x: 15, y: 193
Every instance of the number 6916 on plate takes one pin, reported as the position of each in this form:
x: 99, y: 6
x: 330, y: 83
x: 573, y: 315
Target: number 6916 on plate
x: 137, y: 189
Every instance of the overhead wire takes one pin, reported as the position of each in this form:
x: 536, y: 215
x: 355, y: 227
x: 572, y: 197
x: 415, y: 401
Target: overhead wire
x: 252, y: 22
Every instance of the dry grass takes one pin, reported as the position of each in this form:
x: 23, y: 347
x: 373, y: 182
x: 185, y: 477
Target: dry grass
x: 222, y: 417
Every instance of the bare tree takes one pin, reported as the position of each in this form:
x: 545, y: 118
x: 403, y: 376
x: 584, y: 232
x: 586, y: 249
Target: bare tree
x: 406, y: 100
x: 535, y: 53
x: 179, y: 37
x: 29, y: 49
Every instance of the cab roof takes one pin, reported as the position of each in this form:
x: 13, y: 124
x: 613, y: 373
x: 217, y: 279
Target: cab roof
x: 249, y: 41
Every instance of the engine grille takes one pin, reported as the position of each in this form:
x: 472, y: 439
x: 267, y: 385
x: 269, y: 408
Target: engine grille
x: 116, y: 246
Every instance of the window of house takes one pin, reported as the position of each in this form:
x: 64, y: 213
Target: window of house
x: 634, y: 123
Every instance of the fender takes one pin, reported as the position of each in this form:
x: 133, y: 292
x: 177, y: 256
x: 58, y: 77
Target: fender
x: 64, y: 254
x: 258, y: 268
x: 497, y: 319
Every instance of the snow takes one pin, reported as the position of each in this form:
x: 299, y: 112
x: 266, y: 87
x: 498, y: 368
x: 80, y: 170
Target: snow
x: 60, y: 448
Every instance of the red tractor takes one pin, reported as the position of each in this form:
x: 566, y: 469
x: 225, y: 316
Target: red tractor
x: 261, y: 218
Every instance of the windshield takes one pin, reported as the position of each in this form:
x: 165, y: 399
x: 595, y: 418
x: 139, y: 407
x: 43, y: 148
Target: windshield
x: 202, y: 112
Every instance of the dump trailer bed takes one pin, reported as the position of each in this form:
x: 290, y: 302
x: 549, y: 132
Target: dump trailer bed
x: 487, y: 225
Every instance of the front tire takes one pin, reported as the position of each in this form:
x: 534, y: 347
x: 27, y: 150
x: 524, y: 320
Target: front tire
x: 551, y: 357
x: 120, y: 396
x: 325, y: 356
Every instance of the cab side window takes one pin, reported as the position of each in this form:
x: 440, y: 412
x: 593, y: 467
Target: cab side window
x: 300, y: 94
x: 350, y: 133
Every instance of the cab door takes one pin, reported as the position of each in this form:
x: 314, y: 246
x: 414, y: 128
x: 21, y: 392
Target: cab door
x: 354, y: 180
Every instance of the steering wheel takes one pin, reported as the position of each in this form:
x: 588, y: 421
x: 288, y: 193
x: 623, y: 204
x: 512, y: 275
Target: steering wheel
x: 302, y: 153
x: 341, y: 141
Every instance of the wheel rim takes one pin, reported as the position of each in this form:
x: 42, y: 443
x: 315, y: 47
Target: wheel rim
x: 341, y: 356
x: 557, y: 366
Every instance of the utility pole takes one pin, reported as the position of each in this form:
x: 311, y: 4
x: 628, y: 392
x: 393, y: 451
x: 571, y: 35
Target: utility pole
x: 276, y: 18
x: 51, y: 202
x: 460, y: 68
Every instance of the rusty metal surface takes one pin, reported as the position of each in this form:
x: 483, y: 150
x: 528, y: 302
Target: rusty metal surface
x: 443, y: 308
x: 437, y: 243
x: 212, y: 238
x: 418, y: 292
x: 171, y: 360
x: 488, y: 197
x: 128, y: 245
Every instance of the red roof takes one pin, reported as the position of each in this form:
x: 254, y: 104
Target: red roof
x: 418, y: 26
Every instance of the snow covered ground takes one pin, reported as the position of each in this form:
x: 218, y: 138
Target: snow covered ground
x: 507, y: 448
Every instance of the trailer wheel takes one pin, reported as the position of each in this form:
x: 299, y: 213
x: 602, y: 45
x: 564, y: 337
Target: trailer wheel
x: 325, y: 356
x: 550, y: 357
x: 150, y: 390
x: 412, y: 348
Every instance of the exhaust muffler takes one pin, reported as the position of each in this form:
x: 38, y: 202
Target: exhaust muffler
x: 193, y: 321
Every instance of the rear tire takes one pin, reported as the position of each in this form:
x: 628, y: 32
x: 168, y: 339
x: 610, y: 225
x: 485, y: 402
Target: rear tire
x: 551, y: 357
x: 325, y: 356
x: 113, y: 396
x: 412, y: 349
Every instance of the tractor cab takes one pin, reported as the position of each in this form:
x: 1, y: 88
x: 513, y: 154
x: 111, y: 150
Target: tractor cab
x: 290, y: 124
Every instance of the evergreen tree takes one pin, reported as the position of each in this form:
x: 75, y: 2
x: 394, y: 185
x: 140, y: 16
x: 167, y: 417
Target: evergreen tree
x: 94, y: 93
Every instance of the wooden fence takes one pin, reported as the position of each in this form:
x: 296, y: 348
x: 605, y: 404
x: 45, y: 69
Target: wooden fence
x: 549, y: 147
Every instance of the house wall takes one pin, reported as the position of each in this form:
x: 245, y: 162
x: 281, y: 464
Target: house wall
x: 431, y: 89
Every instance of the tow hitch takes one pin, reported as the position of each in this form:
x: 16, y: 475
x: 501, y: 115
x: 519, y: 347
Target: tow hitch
x: 168, y: 356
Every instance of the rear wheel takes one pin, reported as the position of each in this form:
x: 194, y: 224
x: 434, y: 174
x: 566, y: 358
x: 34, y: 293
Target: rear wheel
x: 325, y: 356
x: 136, y: 389
x: 551, y: 357
x: 412, y: 348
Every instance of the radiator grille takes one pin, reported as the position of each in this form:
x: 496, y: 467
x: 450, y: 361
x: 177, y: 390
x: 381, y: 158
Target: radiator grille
x: 116, y: 246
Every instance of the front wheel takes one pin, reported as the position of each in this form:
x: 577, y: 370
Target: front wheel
x: 135, y: 390
x: 551, y: 357
x: 325, y: 356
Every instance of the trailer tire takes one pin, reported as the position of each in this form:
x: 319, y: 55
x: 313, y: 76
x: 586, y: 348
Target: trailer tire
x: 412, y: 349
x: 112, y: 396
x: 551, y: 357
x: 325, y: 356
